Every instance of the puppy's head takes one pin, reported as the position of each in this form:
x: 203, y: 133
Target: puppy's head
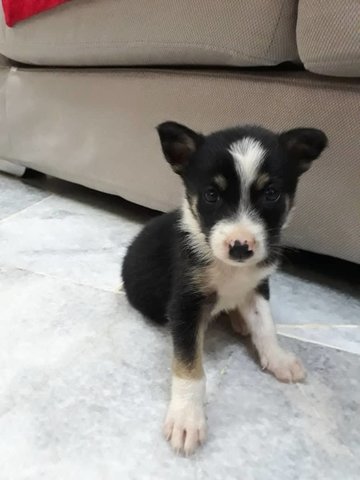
x: 240, y: 185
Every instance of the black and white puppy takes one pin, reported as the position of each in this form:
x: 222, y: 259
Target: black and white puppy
x: 216, y: 253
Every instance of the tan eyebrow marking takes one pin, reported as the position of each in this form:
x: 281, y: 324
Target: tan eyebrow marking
x: 220, y: 181
x: 261, y: 181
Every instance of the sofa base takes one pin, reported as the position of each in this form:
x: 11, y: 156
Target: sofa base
x: 97, y: 128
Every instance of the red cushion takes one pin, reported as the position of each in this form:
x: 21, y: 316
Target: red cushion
x: 17, y: 10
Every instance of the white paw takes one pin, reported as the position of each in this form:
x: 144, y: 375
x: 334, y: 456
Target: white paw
x: 284, y: 365
x: 185, y: 428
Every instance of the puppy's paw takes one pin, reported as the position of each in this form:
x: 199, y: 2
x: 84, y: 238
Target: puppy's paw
x: 185, y: 428
x: 284, y: 365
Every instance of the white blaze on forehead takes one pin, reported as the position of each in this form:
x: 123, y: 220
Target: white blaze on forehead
x: 248, y: 155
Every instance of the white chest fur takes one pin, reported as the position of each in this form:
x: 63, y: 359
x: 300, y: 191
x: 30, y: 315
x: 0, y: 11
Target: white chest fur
x: 234, y: 285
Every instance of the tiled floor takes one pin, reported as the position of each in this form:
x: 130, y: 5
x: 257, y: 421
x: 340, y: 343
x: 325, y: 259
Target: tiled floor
x: 84, y: 379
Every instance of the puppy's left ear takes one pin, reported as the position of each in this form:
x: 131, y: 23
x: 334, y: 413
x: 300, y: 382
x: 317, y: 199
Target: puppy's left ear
x: 303, y: 145
x: 178, y: 143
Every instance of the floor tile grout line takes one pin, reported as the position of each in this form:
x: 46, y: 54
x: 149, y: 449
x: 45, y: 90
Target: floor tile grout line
x: 13, y: 215
x: 314, y: 342
x: 63, y: 279
x: 120, y: 291
x: 304, y: 326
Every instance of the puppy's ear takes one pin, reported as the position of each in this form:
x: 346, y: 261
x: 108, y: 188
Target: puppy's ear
x: 178, y: 144
x: 303, y: 145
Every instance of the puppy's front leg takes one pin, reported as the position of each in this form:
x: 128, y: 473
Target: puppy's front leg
x: 284, y: 365
x: 185, y: 425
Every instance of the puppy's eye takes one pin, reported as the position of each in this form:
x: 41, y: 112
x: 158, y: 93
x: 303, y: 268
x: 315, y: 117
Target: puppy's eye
x: 271, y: 194
x: 211, y: 195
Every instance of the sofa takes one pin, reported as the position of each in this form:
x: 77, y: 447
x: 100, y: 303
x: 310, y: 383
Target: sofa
x: 84, y: 85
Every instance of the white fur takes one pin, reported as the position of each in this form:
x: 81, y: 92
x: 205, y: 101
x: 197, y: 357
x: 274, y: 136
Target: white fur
x: 197, y: 238
x: 284, y: 365
x: 232, y: 281
x: 248, y: 155
x: 185, y: 424
x: 235, y: 285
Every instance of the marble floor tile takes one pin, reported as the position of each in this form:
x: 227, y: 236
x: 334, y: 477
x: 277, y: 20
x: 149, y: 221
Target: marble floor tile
x: 16, y: 195
x: 277, y: 431
x: 85, y: 382
x: 299, y: 301
x: 85, y: 379
x: 66, y: 237
x: 342, y: 337
x: 82, y: 235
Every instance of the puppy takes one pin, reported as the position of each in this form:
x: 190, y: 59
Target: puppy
x: 215, y: 254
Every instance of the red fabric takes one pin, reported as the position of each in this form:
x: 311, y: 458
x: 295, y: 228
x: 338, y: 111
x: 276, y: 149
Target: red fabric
x: 17, y: 10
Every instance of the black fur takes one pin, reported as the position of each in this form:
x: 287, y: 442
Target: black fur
x: 148, y: 267
x: 264, y: 289
x: 157, y: 283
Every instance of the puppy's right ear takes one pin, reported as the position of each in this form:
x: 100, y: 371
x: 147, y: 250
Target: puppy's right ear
x: 178, y: 144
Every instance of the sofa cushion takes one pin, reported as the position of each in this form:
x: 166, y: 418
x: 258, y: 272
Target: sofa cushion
x: 328, y: 35
x: 162, y: 32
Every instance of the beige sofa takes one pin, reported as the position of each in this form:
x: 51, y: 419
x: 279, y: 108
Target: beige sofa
x: 143, y: 62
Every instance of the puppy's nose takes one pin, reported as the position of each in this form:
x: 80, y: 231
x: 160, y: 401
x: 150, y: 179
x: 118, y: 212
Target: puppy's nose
x: 240, y: 251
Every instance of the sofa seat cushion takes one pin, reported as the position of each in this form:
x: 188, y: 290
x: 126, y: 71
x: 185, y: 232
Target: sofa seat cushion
x: 158, y: 32
x: 328, y: 35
